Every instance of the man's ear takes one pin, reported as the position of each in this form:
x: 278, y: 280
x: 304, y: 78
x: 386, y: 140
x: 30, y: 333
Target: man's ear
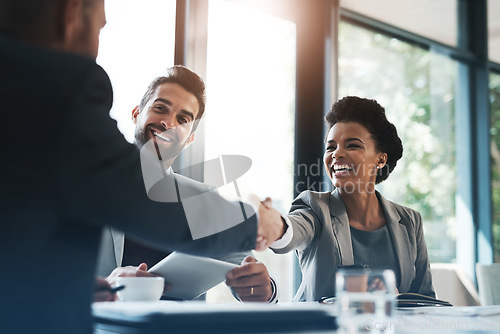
x: 70, y: 18
x: 135, y: 114
x: 189, y: 140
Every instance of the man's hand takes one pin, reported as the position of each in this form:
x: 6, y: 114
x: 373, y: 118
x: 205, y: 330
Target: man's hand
x: 131, y: 271
x: 250, y: 281
x: 103, y: 291
x: 271, y: 225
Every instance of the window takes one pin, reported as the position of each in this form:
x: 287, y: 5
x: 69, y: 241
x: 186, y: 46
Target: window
x: 436, y: 20
x: 252, y: 104
x: 136, y: 45
x: 251, y: 107
x: 416, y: 87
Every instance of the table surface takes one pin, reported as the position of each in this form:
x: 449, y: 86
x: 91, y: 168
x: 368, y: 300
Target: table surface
x: 457, y: 319
x: 153, y: 317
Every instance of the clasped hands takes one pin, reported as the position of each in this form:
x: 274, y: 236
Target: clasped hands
x: 271, y: 225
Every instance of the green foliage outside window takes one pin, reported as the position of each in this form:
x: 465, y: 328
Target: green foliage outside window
x: 416, y: 87
x: 495, y: 160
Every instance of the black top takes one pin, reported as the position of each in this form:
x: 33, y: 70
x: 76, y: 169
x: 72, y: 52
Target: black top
x: 375, y: 249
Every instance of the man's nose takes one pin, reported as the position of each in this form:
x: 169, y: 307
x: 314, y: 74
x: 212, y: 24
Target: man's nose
x: 168, y: 123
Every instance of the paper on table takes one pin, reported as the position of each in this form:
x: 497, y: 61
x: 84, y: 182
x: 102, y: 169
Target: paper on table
x: 224, y: 318
x: 455, y: 311
x: 189, y: 275
x: 469, y: 311
x: 463, y: 319
x: 193, y: 307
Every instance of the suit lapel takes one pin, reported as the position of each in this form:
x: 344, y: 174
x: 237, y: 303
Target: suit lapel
x: 399, y: 239
x: 340, y: 224
x: 399, y: 235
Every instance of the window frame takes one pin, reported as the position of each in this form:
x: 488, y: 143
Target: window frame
x: 317, y: 63
x: 472, y: 114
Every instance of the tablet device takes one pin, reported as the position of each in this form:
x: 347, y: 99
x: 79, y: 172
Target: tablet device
x: 189, y: 275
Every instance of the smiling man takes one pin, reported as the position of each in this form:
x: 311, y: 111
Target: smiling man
x: 168, y: 116
x: 169, y: 113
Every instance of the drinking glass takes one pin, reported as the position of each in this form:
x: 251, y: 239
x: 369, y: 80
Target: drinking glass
x: 365, y: 300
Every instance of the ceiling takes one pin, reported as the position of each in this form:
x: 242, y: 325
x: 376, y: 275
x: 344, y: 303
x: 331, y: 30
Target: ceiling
x: 434, y: 19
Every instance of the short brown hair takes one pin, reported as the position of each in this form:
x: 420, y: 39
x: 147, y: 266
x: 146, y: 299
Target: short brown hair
x: 185, y: 78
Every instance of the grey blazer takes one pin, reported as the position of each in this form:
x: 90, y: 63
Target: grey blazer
x: 322, y: 241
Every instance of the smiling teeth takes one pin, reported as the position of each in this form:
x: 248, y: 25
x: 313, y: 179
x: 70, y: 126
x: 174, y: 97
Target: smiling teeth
x: 337, y: 168
x: 157, y: 134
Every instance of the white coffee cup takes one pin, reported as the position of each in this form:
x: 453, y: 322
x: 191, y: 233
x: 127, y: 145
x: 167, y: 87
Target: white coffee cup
x: 140, y: 288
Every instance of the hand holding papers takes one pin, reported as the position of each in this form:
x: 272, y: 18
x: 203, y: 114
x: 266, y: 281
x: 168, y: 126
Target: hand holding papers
x: 251, y: 281
x: 190, y: 276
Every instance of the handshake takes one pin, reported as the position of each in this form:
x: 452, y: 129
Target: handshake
x: 271, y: 224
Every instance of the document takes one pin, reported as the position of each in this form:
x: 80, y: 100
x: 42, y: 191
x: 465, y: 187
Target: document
x: 189, y: 275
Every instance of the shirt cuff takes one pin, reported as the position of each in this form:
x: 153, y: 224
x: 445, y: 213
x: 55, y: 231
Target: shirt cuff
x: 274, y: 297
x: 286, y: 238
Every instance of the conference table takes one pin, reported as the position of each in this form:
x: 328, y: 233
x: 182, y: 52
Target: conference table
x: 308, y: 318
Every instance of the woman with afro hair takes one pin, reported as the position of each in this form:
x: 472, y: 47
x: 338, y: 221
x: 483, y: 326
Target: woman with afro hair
x: 354, y: 224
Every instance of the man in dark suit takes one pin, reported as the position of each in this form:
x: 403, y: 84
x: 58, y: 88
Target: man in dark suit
x: 67, y: 171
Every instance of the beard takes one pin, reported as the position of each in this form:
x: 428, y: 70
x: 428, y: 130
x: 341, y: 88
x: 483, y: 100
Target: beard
x: 166, y: 151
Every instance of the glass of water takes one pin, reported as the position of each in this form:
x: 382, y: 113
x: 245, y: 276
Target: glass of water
x: 365, y: 300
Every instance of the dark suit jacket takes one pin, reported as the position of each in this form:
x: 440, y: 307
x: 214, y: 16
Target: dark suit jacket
x: 322, y: 240
x: 114, y: 250
x: 66, y: 172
